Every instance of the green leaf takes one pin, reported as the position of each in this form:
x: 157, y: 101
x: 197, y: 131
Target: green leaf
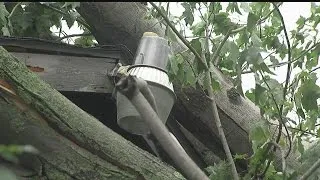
x: 199, y: 28
x: 84, y: 41
x: 220, y: 171
x: 252, y: 21
x: 250, y: 95
x: 258, y: 134
x: 274, y: 60
x: 300, y: 145
x: 222, y: 23
x: 312, y: 59
x: 196, y: 44
x: 301, y: 22
x: 233, y: 7
x: 265, y: 68
x: 215, y: 85
x: 173, y: 68
x: 188, y: 13
x: 310, y: 93
x: 70, y: 19
x: 215, y: 7
x: 189, y: 76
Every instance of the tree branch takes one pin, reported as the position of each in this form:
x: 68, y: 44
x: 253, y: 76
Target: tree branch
x: 214, y: 108
x: 314, y: 69
x: 288, y: 69
x: 292, y: 61
x: 74, y: 35
x: 311, y: 170
x: 217, y: 52
x: 129, y: 86
x: 180, y: 36
x: 14, y: 9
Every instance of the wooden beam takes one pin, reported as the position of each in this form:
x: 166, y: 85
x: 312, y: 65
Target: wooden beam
x: 71, y: 73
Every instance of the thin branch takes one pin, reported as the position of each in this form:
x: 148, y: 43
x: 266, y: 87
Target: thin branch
x: 311, y: 170
x: 281, y: 123
x: 214, y: 108
x: 201, y: 15
x: 277, y: 107
x: 216, y: 53
x: 167, y: 26
x: 297, y: 129
x: 74, y: 35
x: 14, y: 9
x: 314, y: 69
x: 292, y: 61
x: 180, y: 36
x: 289, y: 64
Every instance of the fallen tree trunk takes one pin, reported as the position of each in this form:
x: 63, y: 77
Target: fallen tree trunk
x: 124, y: 23
x: 72, y: 143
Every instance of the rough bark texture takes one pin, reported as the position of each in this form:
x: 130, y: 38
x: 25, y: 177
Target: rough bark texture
x: 73, y: 144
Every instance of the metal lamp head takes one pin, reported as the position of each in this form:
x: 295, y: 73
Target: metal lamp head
x: 150, y: 64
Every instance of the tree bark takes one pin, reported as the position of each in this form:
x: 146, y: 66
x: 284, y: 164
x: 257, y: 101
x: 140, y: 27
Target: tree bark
x: 72, y: 143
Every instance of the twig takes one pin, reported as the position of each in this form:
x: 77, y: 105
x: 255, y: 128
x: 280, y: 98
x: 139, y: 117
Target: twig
x: 314, y: 69
x: 221, y: 133
x: 216, y: 53
x: 201, y: 15
x: 167, y: 26
x: 288, y: 68
x: 180, y: 36
x: 303, y: 131
x: 74, y: 35
x: 311, y: 170
x: 129, y: 87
